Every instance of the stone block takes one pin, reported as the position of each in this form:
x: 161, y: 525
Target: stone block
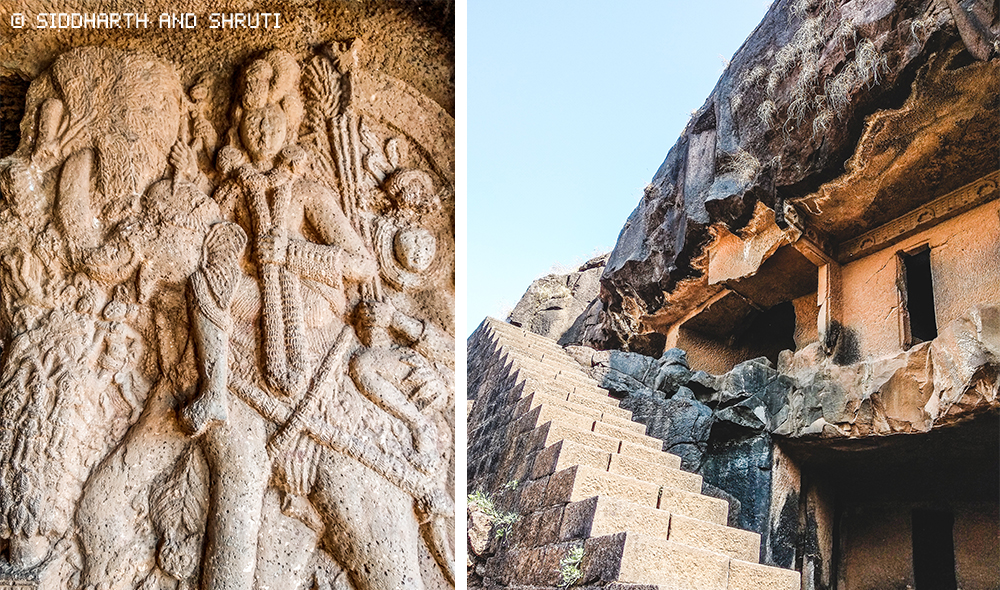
x: 627, y: 435
x: 751, y: 576
x: 564, y: 454
x: 580, y: 482
x: 525, y: 532
x: 614, y: 515
x: 557, y: 432
x: 533, y: 494
x: 655, y: 473
x: 602, y: 557
x: 704, y: 508
x: 736, y: 543
x: 646, y: 560
x: 592, y: 398
x: 648, y: 454
x: 565, y: 417
x: 549, y: 525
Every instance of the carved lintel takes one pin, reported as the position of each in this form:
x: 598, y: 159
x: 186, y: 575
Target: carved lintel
x: 954, y: 203
x: 812, y: 251
x: 18, y: 585
x: 811, y: 242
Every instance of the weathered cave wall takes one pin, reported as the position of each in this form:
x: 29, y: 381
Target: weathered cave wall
x: 819, y: 89
x: 411, y: 41
x: 221, y: 252
x: 965, y: 266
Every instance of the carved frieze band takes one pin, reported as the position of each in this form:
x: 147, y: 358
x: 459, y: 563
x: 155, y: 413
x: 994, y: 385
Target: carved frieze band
x: 946, y: 207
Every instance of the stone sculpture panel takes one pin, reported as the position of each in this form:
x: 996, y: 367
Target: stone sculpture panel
x: 228, y: 353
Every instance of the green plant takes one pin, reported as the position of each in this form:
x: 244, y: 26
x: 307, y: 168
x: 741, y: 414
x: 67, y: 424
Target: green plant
x: 569, y: 567
x: 510, y: 485
x: 503, y: 522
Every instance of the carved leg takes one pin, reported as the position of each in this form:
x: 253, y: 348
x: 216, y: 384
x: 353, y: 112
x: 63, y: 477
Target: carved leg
x: 212, y: 405
x: 371, y: 528
x: 236, y: 456
x: 109, y: 518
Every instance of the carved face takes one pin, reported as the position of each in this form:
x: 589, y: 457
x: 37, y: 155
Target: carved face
x: 263, y: 131
x: 414, y: 248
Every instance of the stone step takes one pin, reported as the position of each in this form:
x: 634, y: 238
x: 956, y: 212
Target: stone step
x: 641, y: 559
x: 581, y: 482
x: 623, y: 423
x: 534, y: 566
x: 522, y: 334
x: 639, y: 562
x: 644, y: 562
x: 591, y: 400
x: 563, y: 454
x: 563, y: 380
x: 558, y: 369
x: 582, y: 417
x: 644, y: 452
x: 606, y: 515
x: 549, y: 413
x: 668, y: 475
x: 744, y: 575
x: 734, y: 542
x: 530, y: 347
x: 557, y: 359
x: 629, y: 435
x: 705, y: 508
x: 551, y: 432
x: 603, y: 412
x: 541, y: 381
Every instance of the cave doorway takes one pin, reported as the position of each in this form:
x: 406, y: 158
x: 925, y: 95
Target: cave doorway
x: 933, y: 550
x: 917, y: 294
x: 917, y: 511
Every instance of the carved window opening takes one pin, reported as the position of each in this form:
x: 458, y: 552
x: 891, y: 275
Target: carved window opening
x: 917, y: 297
x: 933, y: 550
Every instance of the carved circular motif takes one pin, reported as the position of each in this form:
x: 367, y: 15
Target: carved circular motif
x: 406, y: 253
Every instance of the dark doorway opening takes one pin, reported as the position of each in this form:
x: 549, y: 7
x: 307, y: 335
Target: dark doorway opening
x: 769, y: 332
x: 933, y: 550
x: 919, y: 297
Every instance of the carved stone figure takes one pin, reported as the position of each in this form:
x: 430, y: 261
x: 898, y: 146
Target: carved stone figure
x: 204, y: 382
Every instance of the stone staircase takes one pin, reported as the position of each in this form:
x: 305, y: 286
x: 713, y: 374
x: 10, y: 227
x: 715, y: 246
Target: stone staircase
x: 586, y: 475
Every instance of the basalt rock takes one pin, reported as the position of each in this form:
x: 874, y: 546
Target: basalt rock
x: 816, y: 92
x: 562, y: 306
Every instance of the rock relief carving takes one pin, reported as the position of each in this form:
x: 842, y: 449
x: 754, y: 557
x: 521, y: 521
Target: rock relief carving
x: 227, y: 358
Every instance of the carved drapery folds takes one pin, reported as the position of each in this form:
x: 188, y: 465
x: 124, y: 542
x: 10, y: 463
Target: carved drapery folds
x: 227, y: 353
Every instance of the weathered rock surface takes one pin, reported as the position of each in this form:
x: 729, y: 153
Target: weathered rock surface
x: 226, y: 301
x: 562, y: 307
x: 826, y: 107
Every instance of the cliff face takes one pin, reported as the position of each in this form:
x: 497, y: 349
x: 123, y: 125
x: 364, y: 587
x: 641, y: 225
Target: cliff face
x: 839, y: 117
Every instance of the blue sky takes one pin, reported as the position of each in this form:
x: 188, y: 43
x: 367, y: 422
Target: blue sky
x: 572, y: 106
